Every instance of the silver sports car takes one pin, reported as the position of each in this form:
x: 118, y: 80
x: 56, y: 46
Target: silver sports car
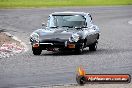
x: 71, y: 31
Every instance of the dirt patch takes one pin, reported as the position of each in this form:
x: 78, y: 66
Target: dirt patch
x: 7, y: 39
x: 9, y: 46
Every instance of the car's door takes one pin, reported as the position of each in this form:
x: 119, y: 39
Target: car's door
x: 90, y: 33
x: 93, y: 34
x: 93, y: 31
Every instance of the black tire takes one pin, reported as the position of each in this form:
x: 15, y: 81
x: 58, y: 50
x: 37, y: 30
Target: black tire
x: 93, y: 47
x: 80, y: 49
x: 36, y: 51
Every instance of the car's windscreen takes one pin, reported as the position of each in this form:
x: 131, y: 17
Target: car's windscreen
x: 67, y: 21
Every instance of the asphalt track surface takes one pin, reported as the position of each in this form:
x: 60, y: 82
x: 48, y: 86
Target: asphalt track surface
x: 114, y: 54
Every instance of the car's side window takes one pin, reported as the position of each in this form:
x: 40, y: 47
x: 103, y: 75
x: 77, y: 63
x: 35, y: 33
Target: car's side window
x: 48, y: 22
x: 88, y: 19
x: 90, y: 16
x: 51, y: 21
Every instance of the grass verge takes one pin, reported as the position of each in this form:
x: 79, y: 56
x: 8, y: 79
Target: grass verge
x: 56, y: 3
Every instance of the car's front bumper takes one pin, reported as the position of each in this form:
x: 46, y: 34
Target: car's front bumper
x: 63, y: 44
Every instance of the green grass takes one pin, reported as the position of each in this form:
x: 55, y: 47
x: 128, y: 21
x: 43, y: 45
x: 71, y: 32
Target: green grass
x: 56, y: 3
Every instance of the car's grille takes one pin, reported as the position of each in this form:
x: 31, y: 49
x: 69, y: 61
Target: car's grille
x: 53, y: 41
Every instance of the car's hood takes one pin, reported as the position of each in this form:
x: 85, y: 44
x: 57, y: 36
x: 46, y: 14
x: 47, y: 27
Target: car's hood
x: 56, y: 33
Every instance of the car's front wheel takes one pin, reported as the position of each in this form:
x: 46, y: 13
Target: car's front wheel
x: 36, y: 51
x: 93, y: 47
x: 79, y: 50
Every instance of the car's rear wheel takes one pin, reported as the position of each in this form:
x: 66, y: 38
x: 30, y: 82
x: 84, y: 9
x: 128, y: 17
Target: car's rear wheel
x: 36, y: 51
x: 93, y: 47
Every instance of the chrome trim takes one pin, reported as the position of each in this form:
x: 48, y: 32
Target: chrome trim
x: 47, y: 43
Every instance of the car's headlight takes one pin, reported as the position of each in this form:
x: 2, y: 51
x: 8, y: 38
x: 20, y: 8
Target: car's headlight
x: 35, y: 37
x: 74, y: 38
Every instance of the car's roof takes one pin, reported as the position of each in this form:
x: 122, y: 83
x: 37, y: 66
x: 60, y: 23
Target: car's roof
x: 69, y: 13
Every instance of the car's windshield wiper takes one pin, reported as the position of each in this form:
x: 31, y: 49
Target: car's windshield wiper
x: 68, y: 26
x: 80, y: 27
x: 54, y: 27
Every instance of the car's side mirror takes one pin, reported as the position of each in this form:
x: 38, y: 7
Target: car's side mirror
x: 43, y: 24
